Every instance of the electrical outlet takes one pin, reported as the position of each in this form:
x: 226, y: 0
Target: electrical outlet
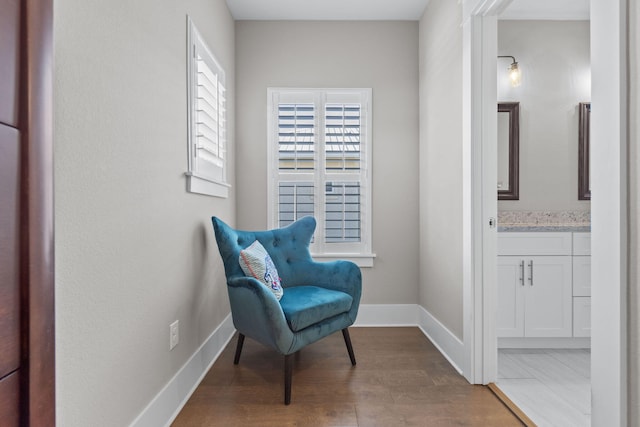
x: 174, y: 334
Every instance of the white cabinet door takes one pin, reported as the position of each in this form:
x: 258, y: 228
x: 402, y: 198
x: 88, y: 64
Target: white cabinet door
x: 548, y: 297
x: 510, y: 312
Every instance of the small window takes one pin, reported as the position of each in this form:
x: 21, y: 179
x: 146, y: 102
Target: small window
x: 207, y: 150
x: 320, y: 165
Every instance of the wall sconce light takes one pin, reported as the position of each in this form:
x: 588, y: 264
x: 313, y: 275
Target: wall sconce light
x: 515, y: 75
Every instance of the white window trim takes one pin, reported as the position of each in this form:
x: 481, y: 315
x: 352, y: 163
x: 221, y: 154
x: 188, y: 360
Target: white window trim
x: 198, y: 181
x: 360, y: 253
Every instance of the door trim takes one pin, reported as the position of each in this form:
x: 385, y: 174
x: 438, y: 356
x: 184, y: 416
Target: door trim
x: 479, y: 146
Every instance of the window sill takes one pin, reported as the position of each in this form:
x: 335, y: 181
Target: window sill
x: 200, y: 185
x: 361, y: 260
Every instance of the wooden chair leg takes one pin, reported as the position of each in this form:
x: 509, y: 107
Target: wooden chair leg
x: 236, y: 359
x: 347, y: 341
x: 288, y: 372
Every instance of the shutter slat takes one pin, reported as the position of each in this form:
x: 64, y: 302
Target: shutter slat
x: 207, y: 156
x: 207, y: 107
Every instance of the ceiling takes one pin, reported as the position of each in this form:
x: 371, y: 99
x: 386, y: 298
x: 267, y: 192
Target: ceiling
x: 320, y: 10
x: 547, y: 9
x: 390, y: 10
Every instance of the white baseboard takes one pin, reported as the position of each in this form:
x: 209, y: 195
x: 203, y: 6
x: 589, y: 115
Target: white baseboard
x: 445, y: 341
x: 564, y: 343
x: 167, y: 404
x: 387, y: 315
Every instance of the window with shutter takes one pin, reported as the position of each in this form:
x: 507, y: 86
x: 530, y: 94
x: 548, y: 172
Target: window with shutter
x: 320, y: 165
x: 207, y: 172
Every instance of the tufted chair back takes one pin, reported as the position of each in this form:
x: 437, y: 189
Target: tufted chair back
x: 288, y: 247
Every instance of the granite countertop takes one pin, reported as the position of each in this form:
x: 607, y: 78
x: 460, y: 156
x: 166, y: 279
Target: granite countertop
x: 543, y: 221
x: 543, y: 228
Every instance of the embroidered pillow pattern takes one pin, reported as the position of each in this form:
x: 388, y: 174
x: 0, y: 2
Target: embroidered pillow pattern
x: 256, y: 262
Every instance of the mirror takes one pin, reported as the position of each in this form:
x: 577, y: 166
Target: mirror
x: 584, y: 117
x: 508, y: 150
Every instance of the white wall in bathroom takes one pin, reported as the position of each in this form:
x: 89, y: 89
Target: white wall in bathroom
x: 556, y: 77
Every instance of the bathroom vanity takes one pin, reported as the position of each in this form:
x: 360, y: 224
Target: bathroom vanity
x: 544, y: 288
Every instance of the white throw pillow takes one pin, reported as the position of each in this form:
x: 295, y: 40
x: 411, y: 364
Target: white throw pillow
x: 256, y: 262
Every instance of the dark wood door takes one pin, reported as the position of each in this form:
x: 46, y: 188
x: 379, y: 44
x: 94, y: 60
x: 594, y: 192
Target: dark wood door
x: 26, y: 215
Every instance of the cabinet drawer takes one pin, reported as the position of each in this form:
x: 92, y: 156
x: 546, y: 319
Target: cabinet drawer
x: 581, y: 316
x: 582, y: 243
x: 534, y: 243
x: 581, y: 276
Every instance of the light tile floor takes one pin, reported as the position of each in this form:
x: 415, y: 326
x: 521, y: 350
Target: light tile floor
x: 551, y: 386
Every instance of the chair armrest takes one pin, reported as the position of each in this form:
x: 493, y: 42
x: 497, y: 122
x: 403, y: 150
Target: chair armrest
x: 339, y: 275
x: 257, y: 313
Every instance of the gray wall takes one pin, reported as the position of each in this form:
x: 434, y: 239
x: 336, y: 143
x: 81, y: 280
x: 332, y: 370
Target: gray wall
x: 556, y: 76
x: 134, y: 250
x: 440, y: 287
x: 379, y: 55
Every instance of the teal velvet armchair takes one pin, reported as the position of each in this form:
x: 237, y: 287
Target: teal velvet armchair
x: 318, y: 298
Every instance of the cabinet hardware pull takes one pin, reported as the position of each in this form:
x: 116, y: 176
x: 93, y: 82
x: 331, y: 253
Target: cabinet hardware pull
x: 531, y: 272
x: 522, y: 272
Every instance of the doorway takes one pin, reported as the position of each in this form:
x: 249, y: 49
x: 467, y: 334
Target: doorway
x: 608, y: 210
x: 543, y: 279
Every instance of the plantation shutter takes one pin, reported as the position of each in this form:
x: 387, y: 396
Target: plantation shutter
x: 296, y: 137
x: 207, y: 120
x: 344, y: 175
x: 210, y: 110
x: 319, y: 165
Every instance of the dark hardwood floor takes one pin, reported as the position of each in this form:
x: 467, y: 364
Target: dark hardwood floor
x: 400, y: 380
